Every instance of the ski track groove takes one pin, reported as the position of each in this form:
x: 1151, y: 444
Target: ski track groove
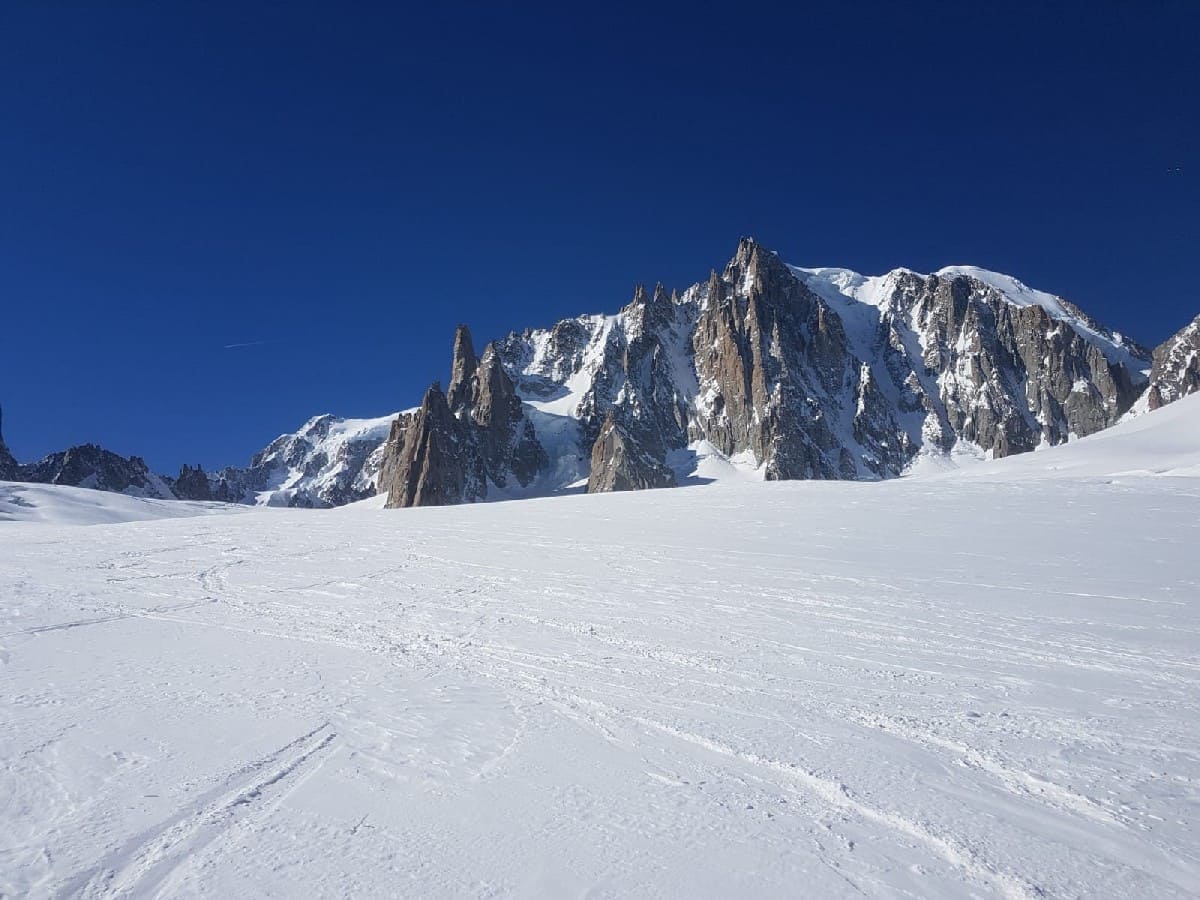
x: 146, y: 863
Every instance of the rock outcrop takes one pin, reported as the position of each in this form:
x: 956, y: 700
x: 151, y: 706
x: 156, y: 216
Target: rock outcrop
x: 778, y: 377
x: 192, y: 484
x: 91, y: 466
x: 8, y: 463
x: 968, y: 355
x: 1176, y: 370
x: 461, y: 444
x: 621, y: 464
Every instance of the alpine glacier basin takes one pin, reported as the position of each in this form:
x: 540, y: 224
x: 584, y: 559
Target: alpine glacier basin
x: 928, y: 687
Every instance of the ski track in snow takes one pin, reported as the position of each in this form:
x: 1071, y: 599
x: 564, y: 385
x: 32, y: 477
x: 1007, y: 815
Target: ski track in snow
x: 940, y: 687
x: 150, y: 862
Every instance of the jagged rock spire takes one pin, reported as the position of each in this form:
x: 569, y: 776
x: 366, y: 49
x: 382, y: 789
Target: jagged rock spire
x: 428, y: 471
x: 192, y: 484
x: 462, y: 368
x: 459, y: 442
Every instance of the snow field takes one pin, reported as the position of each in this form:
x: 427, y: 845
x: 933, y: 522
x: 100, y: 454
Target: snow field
x: 944, y: 686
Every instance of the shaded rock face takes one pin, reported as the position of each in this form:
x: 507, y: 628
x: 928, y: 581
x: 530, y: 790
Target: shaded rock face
x: 1176, y: 370
x: 192, y: 484
x: 91, y: 466
x: 87, y: 465
x: 621, y: 464
x: 459, y: 443
x: 427, y: 467
x: 8, y: 463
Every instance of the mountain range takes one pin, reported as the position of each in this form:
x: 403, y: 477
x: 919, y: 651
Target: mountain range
x: 774, y: 371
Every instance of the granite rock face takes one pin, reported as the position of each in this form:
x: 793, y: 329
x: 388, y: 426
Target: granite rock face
x: 621, y: 464
x: 822, y: 373
x: 967, y: 355
x: 459, y: 444
x: 778, y: 378
x: 802, y: 373
x: 1176, y: 370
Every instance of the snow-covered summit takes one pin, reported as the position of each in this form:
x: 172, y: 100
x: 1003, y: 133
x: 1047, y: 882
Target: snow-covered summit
x: 328, y: 461
x: 879, y: 290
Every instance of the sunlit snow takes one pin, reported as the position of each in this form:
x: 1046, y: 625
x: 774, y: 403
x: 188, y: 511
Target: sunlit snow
x: 967, y: 683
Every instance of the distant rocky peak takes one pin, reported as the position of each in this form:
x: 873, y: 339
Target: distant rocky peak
x: 1176, y: 370
x: 647, y: 311
x: 757, y: 271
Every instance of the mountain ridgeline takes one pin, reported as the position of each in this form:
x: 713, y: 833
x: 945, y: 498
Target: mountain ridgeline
x: 805, y: 373
x: 792, y: 373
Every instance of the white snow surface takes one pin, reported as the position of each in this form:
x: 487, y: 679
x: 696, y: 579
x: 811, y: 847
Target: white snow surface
x: 58, y: 504
x: 1164, y: 442
x: 981, y: 683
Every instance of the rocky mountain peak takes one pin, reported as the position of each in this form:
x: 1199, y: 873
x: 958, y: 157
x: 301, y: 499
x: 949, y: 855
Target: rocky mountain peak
x: 1176, y: 369
x: 462, y: 367
x: 795, y: 373
x: 192, y: 484
x: 92, y: 466
x: 458, y: 444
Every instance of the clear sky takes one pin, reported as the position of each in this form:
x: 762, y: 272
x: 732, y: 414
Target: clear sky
x: 217, y: 220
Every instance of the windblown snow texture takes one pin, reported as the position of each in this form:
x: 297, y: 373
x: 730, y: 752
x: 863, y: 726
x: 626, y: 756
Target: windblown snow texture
x: 976, y: 683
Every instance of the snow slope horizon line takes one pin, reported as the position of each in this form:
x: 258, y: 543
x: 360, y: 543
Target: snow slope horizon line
x: 1161, y: 443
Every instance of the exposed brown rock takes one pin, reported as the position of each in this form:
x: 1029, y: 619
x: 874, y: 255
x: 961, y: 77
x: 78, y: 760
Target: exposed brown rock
x: 455, y: 445
x: 462, y: 369
x: 619, y: 464
x: 429, y: 467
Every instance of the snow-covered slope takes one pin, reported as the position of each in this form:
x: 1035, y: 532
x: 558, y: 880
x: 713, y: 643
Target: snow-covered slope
x: 329, y: 461
x: 63, y: 505
x: 1165, y: 442
x: 923, y: 687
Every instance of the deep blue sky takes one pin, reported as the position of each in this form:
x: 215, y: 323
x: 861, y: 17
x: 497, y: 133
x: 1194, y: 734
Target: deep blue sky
x: 348, y: 181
